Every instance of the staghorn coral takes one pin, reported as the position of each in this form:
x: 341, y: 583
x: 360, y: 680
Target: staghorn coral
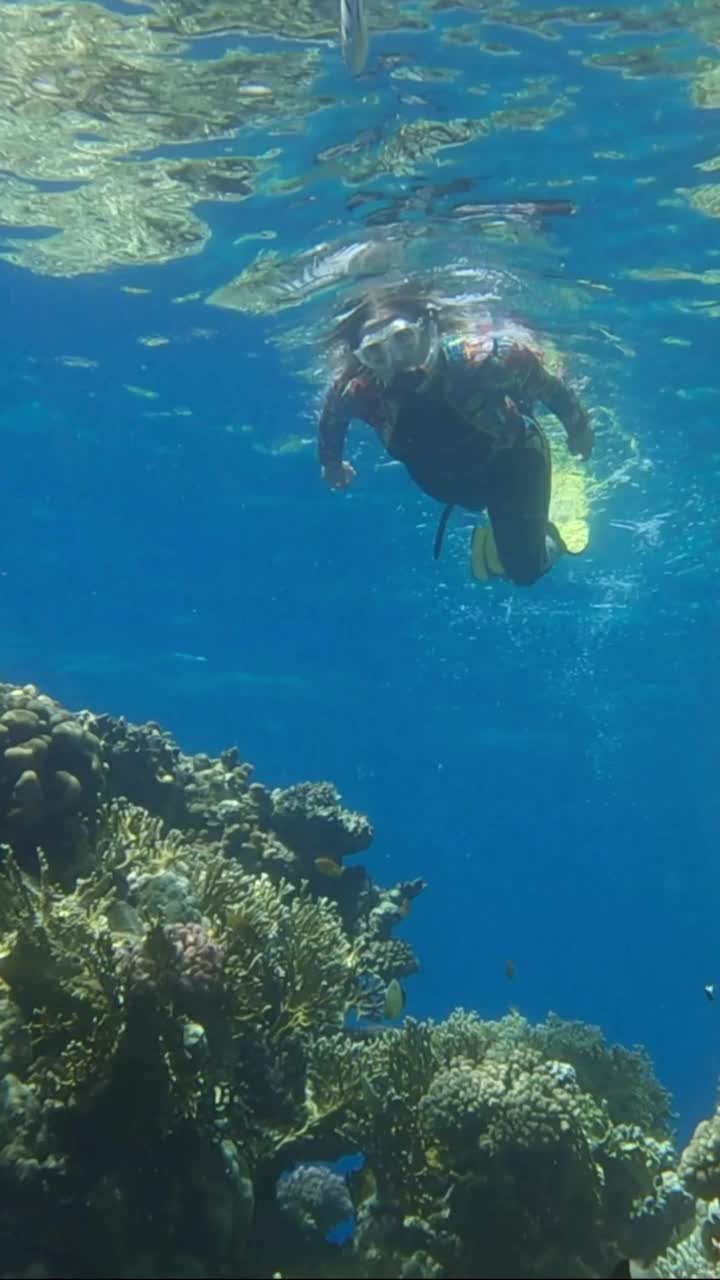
x: 367, y: 1093
x: 292, y: 948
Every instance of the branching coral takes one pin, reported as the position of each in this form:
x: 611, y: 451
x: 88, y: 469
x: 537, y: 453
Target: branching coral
x: 309, y: 968
x: 367, y: 1092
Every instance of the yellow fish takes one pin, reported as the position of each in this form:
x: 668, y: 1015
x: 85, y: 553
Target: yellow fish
x: 394, y: 1000
x: 242, y: 928
x: 329, y: 867
x: 363, y: 1185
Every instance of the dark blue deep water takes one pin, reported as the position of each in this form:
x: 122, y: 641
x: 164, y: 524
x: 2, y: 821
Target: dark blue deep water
x: 547, y: 758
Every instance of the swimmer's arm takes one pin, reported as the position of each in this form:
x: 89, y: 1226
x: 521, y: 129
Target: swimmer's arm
x: 338, y: 411
x: 333, y: 428
x: 557, y: 396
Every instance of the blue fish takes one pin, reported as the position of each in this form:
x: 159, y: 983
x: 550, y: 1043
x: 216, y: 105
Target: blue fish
x: 354, y: 35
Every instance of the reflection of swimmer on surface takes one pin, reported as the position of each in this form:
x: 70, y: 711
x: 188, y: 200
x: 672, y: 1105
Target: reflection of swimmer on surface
x: 354, y: 34
x: 457, y: 408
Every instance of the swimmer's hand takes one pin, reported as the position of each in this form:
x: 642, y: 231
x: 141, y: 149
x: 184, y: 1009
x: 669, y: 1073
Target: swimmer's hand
x: 339, y: 476
x: 580, y: 441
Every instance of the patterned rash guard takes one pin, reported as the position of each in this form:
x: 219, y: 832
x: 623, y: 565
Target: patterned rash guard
x: 478, y: 399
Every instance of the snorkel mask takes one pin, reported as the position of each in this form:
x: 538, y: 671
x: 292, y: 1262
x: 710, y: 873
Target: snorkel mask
x: 397, y: 346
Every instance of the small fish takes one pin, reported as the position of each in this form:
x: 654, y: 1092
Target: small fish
x: 122, y: 918
x: 710, y: 990
x: 242, y: 928
x: 363, y: 1185
x: 394, y: 1000
x: 354, y: 35
x: 510, y: 970
x: 189, y: 657
x: 329, y: 867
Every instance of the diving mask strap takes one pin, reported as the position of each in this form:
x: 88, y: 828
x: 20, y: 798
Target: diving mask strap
x: 428, y: 364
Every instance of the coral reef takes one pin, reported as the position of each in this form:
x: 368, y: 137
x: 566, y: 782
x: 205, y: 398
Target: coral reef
x: 51, y: 772
x: 489, y: 1158
x: 691, y: 1192
x: 310, y: 817
x: 700, y: 1163
x: 176, y: 964
x: 314, y: 1199
x: 623, y: 1077
x: 192, y: 1000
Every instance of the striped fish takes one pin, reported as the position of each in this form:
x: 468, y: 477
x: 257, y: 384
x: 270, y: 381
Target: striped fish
x: 354, y: 35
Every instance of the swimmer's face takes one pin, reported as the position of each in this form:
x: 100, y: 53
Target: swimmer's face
x: 398, y: 345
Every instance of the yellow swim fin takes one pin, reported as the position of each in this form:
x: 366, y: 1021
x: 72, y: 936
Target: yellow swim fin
x: 570, y: 507
x: 575, y: 535
x: 485, y: 562
x: 569, y: 518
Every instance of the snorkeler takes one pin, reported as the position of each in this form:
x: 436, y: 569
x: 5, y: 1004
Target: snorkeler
x: 457, y: 409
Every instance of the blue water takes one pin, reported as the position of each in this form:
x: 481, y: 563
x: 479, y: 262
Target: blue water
x: 546, y: 759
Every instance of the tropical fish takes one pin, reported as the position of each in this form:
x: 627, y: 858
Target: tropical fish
x: 394, y: 999
x: 329, y: 867
x: 354, y: 35
x: 710, y: 990
x: 363, y: 1185
x: 122, y: 918
x: 242, y: 928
